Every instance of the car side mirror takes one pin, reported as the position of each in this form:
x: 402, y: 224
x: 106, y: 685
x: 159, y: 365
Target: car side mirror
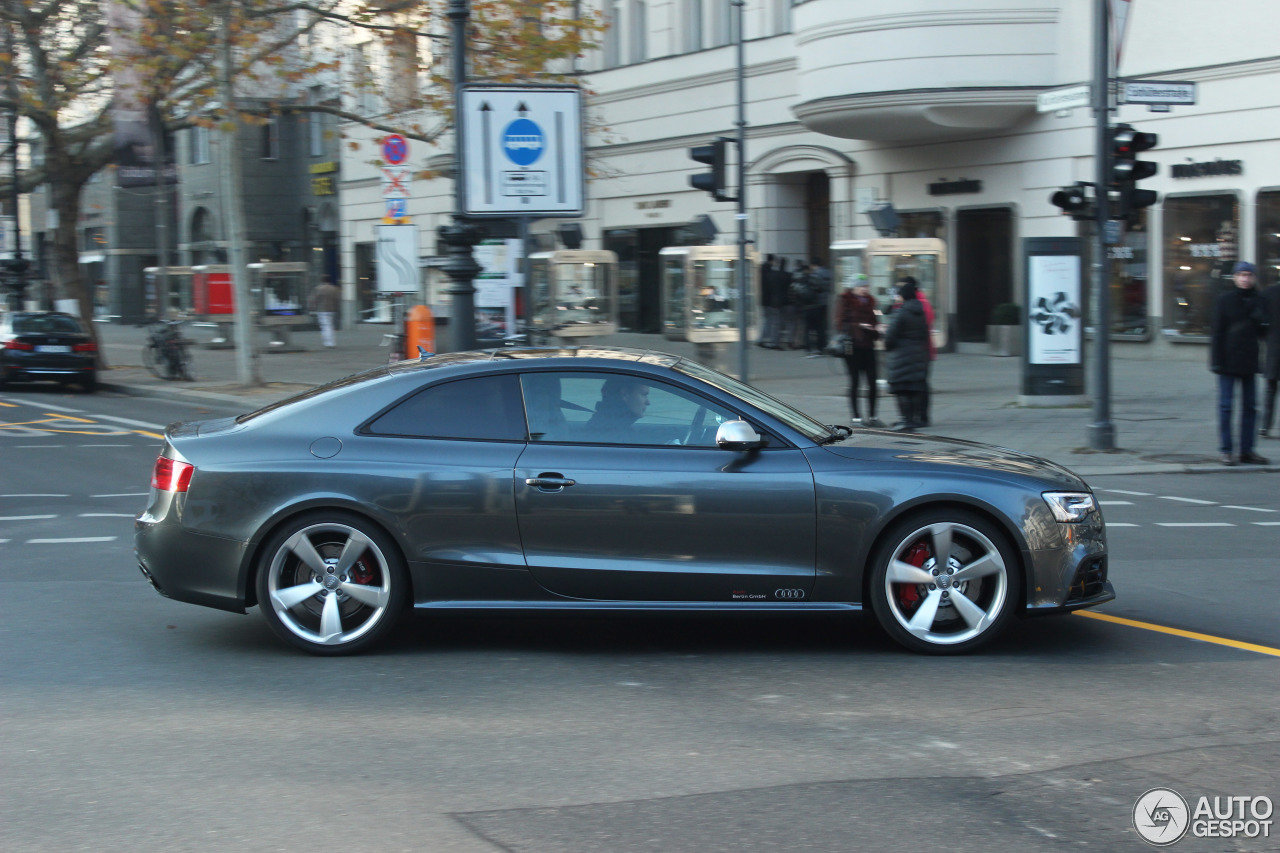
x: 737, y: 435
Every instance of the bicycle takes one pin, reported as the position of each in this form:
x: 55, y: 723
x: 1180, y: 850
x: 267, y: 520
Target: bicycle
x: 166, y: 353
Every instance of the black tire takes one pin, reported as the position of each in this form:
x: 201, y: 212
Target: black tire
x: 151, y: 360
x: 946, y: 609
x: 320, y: 595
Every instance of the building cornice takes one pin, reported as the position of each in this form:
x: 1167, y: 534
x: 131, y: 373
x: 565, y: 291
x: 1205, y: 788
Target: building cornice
x: 711, y: 79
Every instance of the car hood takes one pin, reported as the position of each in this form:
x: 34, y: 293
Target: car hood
x: 878, y: 445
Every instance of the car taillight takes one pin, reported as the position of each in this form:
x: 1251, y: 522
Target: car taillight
x: 88, y: 346
x: 19, y: 345
x: 170, y: 475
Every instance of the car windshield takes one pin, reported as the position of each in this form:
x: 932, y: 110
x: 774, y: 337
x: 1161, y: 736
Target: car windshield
x: 794, y: 418
x: 38, y: 323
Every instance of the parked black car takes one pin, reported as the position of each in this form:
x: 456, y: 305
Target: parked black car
x: 47, y: 345
x: 603, y: 479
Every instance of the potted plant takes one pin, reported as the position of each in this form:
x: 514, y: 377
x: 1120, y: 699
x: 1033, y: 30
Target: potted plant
x: 1004, y: 334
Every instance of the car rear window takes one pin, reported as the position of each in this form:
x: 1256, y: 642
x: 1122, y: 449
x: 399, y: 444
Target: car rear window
x: 486, y: 408
x: 44, y: 324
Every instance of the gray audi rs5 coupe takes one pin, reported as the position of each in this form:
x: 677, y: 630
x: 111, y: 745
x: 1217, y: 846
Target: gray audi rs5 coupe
x: 602, y: 479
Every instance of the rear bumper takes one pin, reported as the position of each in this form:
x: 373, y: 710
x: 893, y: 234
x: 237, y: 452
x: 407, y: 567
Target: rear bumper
x: 190, y: 567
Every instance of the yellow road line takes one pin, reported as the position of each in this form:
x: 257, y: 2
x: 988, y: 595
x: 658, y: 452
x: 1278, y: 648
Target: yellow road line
x: 9, y: 405
x: 70, y: 418
x: 148, y: 434
x: 1178, y: 632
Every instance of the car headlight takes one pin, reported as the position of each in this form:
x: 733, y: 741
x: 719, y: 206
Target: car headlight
x: 1070, y: 506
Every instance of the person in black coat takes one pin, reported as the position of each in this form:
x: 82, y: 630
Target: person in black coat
x: 1271, y: 372
x: 907, y: 344
x: 1233, y: 355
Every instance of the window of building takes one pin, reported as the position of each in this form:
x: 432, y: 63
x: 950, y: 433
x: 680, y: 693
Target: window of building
x: 1201, y: 244
x: 199, y: 139
x: 692, y: 25
x: 271, y: 139
x: 922, y: 223
x: 721, y: 22
x: 363, y: 80
x: 1127, y: 282
x: 639, y: 26
x: 613, y: 36
x: 315, y: 123
x: 1268, y: 243
x: 782, y: 16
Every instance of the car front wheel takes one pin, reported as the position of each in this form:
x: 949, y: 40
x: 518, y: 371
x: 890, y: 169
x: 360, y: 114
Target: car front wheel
x: 332, y: 583
x: 945, y: 582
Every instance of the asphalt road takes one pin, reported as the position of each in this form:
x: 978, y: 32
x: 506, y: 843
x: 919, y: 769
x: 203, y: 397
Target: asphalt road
x: 132, y: 723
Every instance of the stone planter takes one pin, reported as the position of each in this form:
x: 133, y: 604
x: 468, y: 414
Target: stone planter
x: 1004, y: 340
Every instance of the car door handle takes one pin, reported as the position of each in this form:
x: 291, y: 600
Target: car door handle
x: 549, y: 482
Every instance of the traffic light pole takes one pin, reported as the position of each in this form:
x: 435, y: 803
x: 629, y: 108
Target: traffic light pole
x: 1102, y: 432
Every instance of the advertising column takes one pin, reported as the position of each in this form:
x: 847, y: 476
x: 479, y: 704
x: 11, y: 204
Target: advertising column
x: 1053, y: 373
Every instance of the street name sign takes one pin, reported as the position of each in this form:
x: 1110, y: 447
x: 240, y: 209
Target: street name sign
x: 1064, y: 99
x: 522, y: 151
x: 1160, y: 92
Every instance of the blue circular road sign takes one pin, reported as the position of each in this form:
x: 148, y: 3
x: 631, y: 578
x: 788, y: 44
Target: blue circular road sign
x: 523, y: 142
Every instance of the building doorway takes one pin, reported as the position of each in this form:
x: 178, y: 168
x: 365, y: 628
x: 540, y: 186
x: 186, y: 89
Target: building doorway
x: 817, y: 205
x: 984, y: 268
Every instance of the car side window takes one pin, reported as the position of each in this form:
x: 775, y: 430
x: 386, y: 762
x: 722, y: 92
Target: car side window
x: 482, y: 408
x: 612, y: 408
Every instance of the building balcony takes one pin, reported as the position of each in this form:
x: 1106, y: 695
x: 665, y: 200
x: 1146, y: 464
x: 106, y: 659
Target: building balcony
x: 922, y: 69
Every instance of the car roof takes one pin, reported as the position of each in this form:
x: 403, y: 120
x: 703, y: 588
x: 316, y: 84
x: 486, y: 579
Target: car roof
x: 538, y: 356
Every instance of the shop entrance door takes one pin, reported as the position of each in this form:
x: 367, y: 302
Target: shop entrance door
x: 984, y: 268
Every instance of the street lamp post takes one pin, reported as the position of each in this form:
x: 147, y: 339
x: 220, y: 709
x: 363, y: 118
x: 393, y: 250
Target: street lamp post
x: 18, y: 264
x: 460, y: 237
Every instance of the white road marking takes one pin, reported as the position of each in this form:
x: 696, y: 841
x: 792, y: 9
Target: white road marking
x: 128, y: 422
x: 123, y: 495
x: 44, y: 405
x: 71, y: 540
x: 1189, y: 500
x: 37, y: 446
x: 106, y: 445
x: 1194, y: 524
x: 1115, y: 503
x: 35, y: 496
x: 1250, y: 508
x: 1121, y: 524
x: 1266, y: 523
x: 24, y: 517
x: 2, y: 541
x: 1126, y: 492
x: 105, y: 515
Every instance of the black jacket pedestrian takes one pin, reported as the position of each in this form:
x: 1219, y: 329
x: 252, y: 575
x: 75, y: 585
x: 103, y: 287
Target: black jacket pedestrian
x: 1237, y: 331
x: 907, y: 341
x: 1271, y: 314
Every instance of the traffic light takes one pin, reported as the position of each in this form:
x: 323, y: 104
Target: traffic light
x: 1075, y: 201
x: 712, y: 181
x: 1123, y: 195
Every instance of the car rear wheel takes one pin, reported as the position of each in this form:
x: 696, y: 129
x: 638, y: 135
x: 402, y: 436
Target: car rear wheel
x: 945, y: 582
x: 332, y: 583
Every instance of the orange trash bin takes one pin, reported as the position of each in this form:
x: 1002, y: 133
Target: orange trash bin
x: 419, y: 331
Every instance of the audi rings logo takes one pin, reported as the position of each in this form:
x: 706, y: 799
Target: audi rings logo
x: 789, y: 594
x: 1161, y: 816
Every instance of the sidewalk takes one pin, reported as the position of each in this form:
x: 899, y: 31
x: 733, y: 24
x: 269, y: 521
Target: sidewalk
x: 1164, y: 413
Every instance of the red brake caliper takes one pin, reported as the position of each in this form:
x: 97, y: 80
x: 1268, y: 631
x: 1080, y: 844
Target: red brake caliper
x: 908, y: 594
x: 361, y: 573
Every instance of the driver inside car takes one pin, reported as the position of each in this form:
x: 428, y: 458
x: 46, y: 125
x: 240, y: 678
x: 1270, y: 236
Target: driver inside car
x: 623, y: 401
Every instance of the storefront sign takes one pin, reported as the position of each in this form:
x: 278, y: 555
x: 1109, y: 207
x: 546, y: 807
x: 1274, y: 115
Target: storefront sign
x: 955, y: 187
x: 1211, y: 169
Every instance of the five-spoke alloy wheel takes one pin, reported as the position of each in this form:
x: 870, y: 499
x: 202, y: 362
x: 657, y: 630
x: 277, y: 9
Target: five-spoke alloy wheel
x: 945, y: 582
x: 331, y: 583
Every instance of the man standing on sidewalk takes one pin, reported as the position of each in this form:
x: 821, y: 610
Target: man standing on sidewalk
x: 324, y: 304
x: 1233, y: 355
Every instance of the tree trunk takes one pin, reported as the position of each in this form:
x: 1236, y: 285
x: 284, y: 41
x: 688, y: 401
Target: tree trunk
x: 64, y: 197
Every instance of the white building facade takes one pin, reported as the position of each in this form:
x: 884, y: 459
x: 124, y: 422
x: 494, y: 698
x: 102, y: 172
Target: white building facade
x: 929, y: 105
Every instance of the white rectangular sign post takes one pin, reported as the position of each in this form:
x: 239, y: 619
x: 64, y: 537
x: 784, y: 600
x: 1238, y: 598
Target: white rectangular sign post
x: 521, y: 151
x: 1064, y: 99
x: 397, y: 258
x: 1159, y: 92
